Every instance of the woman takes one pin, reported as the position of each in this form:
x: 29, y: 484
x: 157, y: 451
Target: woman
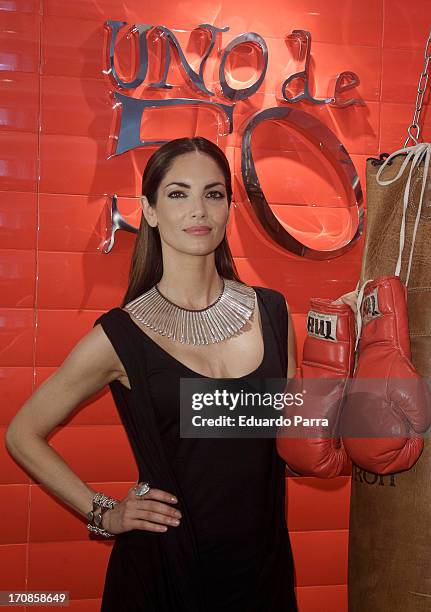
x: 205, y: 528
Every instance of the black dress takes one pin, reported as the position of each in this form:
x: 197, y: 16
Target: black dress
x: 231, y: 551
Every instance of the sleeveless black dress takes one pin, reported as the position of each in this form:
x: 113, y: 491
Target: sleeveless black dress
x: 231, y: 551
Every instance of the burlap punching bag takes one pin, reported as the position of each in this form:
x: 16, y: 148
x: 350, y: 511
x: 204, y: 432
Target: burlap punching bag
x: 390, y: 516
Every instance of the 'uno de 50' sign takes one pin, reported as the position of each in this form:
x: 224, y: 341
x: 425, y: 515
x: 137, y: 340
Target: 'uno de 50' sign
x: 133, y: 109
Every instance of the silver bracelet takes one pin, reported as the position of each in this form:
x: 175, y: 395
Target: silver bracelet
x: 105, y: 503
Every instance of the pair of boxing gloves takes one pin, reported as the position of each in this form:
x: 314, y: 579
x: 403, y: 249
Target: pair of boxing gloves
x: 362, y: 400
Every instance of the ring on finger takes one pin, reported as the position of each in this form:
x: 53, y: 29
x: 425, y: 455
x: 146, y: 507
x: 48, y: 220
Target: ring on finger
x: 141, y: 489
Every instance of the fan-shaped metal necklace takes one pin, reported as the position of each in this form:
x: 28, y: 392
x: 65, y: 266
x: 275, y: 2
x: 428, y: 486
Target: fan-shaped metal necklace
x: 218, y: 321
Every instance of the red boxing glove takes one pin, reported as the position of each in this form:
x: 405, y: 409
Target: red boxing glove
x: 327, y: 365
x: 388, y: 404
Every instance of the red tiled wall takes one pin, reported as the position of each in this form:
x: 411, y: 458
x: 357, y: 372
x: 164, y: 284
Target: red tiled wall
x: 55, y: 121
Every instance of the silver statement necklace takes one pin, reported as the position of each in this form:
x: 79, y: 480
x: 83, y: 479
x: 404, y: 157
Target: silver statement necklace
x: 218, y: 321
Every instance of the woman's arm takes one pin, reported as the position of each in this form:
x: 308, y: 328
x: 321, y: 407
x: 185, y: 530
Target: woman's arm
x: 91, y: 365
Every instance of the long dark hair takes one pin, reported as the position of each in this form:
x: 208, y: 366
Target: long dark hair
x: 146, y: 266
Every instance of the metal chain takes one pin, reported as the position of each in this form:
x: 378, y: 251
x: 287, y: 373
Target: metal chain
x: 423, y: 80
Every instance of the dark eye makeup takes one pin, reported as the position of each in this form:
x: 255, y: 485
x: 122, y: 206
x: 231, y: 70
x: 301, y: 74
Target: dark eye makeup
x: 220, y: 194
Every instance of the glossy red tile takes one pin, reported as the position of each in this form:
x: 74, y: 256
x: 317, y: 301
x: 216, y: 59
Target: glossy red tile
x: 16, y: 337
x: 87, y: 9
x: 244, y: 237
x: 400, y: 75
x: 93, y: 462
x: 80, y: 280
x: 322, y: 228
x: 82, y: 223
x: 14, y: 500
x: 395, y: 119
x: 97, y: 410
x: 18, y: 161
x: 15, y: 388
x: 13, y: 563
x: 21, y: 6
x: 76, y: 106
x: 320, y: 557
x: 406, y: 26
x: 52, y: 520
x: 329, y: 60
x: 18, y: 220
x: 81, y: 570
x: 184, y: 16
x: 300, y: 280
x: 170, y: 123
x: 69, y: 325
x: 19, y: 42
x: 17, y: 271
x: 78, y: 165
x: 356, y: 127
x: 318, y: 504
x: 19, y: 101
x: 72, y: 47
x: 211, y: 123
x: 362, y: 23
x: 322, y: 598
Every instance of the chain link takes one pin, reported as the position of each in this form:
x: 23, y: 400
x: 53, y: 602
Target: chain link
x: 414, y: 128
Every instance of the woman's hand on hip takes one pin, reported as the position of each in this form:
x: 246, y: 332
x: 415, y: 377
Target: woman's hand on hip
x: 151, y: 512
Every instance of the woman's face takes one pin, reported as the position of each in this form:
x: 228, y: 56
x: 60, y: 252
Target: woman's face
x: 192, y: 193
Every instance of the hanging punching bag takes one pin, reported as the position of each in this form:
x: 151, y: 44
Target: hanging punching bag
x: 390, y: 516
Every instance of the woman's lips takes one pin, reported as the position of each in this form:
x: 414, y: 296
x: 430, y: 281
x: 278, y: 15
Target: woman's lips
x: 198, y: 230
